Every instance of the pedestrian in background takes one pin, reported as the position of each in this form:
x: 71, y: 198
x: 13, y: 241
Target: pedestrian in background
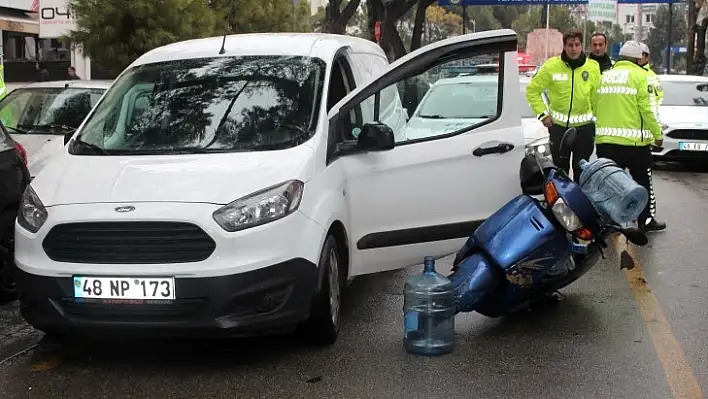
x: 598, y: 51
x: 626, y: 123
x: 72, y: 73
x: 42, y: 72
x: 571, y: 81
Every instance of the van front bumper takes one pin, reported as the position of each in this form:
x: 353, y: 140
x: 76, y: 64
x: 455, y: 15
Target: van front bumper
x: 255, y: 302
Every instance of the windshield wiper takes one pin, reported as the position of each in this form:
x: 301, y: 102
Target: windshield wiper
x: 94, y: 147
x: 436, y: 116
x: 16, y: 130
x: 49, y: 126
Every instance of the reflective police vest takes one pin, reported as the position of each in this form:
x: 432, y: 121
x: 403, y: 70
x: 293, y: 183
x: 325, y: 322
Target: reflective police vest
x: 659, y: 93
x: 570, y: 91
x: 623, y: 107
x: 3, y: 89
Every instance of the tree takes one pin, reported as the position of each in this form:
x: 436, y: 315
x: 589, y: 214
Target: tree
x: 115, y: 32
x: 560, y: 19
x: 252, y: 16
x: 441, y: 24
x: 337, y: 14
x: 612, y: 31
x: 659, y: 34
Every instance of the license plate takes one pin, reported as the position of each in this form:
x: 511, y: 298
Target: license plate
x: 683, y: 146
x: 124, y: 287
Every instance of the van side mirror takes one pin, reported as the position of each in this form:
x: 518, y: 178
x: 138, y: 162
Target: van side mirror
x: 67, y: 137
x: 371, y: 137
x: 375, y: 137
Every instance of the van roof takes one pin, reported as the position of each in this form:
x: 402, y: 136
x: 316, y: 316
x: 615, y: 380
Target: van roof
x: 322, y: 45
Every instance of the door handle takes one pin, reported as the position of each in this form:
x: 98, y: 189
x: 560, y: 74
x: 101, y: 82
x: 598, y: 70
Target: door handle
x: 500, y: 148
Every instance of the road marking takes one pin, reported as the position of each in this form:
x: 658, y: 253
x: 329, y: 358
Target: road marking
x: 682, y: 381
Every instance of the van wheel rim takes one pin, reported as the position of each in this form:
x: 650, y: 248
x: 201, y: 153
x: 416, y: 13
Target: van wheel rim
x: 334, y: 291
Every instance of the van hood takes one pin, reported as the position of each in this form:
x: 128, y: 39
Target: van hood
x: 205, y: 178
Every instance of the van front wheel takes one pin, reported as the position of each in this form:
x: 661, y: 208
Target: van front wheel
x: 322, y: 327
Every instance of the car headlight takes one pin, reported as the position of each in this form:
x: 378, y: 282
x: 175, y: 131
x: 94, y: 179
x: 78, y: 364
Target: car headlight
x: 32, y: 213
x: 260, y: 207
x: 567, y: 218
x: 540, y: 147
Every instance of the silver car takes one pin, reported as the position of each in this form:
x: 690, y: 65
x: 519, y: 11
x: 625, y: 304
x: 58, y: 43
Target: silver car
x: 684, y: 118
x: 38, y: 115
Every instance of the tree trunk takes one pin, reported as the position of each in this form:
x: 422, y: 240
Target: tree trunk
x: 336, y: 18
x: 419, y: 24
x: 699, y: 62
x: 374, y: 12
x: 691, y: 39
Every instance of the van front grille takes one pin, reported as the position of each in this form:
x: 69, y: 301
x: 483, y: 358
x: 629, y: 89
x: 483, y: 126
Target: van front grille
x: 128, y: 243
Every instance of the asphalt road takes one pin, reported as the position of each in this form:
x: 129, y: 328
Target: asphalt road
x: 638, y: 334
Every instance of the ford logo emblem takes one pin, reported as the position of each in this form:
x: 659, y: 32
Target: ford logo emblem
x: 123, y: 209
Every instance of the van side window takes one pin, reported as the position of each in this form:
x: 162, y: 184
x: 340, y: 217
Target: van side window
x: 340, y: 84
x: 446, y: 99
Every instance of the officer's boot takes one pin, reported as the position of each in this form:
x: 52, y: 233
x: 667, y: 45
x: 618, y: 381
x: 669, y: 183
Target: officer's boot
x: 653, y: 225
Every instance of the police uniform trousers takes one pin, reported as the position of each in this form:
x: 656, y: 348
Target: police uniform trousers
x: 583, y: 146
x: 638, y: 160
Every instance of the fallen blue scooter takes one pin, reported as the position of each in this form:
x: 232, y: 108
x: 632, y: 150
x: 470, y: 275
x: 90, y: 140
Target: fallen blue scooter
x: 530, y: 248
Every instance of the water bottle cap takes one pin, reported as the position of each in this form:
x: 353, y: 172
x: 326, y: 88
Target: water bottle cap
x: 429, y: 259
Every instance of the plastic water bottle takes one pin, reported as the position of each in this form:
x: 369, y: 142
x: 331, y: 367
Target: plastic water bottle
x: 429, y: 313
x: 612, y: 190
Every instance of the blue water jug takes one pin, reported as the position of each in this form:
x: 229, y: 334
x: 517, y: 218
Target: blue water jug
x: 429, y: 312
x: 613, y: 192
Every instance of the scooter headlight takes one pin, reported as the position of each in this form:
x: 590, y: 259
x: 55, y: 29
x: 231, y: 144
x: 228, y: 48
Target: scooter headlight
x: 565, y: 216
x: 540, y: 147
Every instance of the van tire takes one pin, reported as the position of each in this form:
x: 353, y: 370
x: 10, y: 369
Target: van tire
x: 8, y: 289
x: 322, y: 326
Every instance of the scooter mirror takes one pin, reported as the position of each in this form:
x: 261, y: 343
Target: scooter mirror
x: 635, y: 236
x: 567, y: 142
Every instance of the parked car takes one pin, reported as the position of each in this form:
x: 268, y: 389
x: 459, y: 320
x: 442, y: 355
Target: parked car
x: 684, y: 118
x: 14, y: 178
x: 235, y: 184
x: 38, y: 115
x: 454, y: 103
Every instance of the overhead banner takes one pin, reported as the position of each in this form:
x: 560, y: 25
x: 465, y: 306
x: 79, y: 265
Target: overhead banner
x: 446, y: 3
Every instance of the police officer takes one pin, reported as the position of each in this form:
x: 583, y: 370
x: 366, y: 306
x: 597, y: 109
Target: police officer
x: 598, y: 51
x: 653, y: 80
x: 570, y: 80
x: 626, y: 123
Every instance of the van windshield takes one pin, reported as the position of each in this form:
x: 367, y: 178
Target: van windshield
x: 223, y: 104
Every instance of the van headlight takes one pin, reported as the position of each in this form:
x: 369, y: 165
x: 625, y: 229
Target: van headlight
x: 260, y: 207
x: 32, y: 213
x: 541, y: 147
x: 565, y: 216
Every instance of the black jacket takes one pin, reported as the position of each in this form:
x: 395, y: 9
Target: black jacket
x: 604, y: 60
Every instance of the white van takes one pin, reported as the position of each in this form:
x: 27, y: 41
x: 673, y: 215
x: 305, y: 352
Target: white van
x: 235, y: 190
